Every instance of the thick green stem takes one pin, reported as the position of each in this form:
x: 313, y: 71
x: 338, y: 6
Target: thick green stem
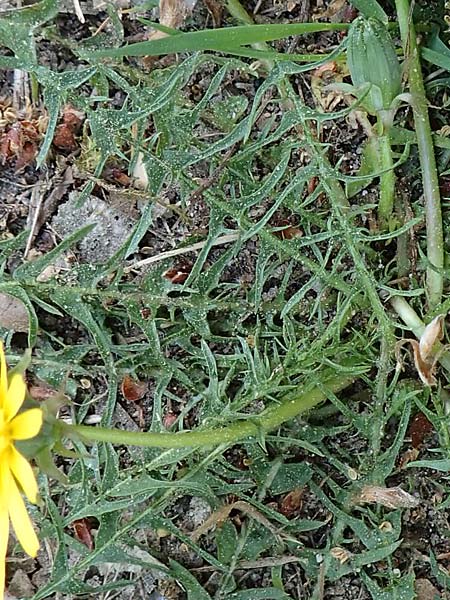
x: 432, y: 200
x: 387, y: 182
x: 253, y: 427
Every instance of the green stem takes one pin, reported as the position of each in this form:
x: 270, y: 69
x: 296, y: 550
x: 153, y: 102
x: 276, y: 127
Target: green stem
x: 378, y: 414
x: 253, y: 427
x: 387, y: 182
x: 402, y: 258
x: 432, y: 200
x: 408, y: 315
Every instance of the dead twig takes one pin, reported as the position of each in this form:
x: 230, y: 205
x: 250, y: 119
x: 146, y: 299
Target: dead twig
x: 33, y: 216
x: 78, y: 11
x: 224, y: 239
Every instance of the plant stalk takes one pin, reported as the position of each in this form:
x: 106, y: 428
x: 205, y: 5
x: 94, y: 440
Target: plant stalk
x: 253, y: 427
x: 387, y: 182
x: 432, y: 200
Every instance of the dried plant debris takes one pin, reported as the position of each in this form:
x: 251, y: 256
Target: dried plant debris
x: 426, y: 351
x: 393, y: 497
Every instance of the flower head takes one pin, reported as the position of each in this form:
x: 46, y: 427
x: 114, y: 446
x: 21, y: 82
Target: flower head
x: 16, y: 474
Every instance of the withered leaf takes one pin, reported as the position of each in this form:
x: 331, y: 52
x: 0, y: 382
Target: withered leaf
x: 424, y: 368
x: 434, y: 332
x: 83, y: 533
x: 340, y: 554
x: 393, y: 497
x: 172, y: 13
x: 292, y: 502
x: 132, y: 390
x: 427, y: 350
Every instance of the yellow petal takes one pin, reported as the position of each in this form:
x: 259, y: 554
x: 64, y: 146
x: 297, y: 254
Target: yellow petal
x: 5, y: 482
x: 23, y: 473
x: 14, y: 397
x: 4, y: 531
x: 26, y: 425
x: 21, y: 522
x: 3, y: 376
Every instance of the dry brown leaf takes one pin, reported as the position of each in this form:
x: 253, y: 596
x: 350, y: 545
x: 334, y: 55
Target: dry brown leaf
x: 19, y: 142
x: 133, y: 390
x: 179, y: 273
x: 220, y: 515
x: 427, y: 350
x: 20, y: 586
x: 42, y: 391
x: 13, y: 314
x: 334, y: 8
x: 292, y: 502
x: 393, y: 497
x: 66, y: 132
x: 323, y: 86
x: 215, y: 9
x: 169, y: 419
x: 407, y: 457
x: 424, y: 368
x: 385, y: 527
x: 172, y: 13
x: 64, y: 138
x: 433, y: 333
x: 82, y: 528
x: 140, y: 176
x: 340, y: 554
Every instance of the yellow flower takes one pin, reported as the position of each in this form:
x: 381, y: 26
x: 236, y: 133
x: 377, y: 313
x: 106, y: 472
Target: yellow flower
x: 16, y: 474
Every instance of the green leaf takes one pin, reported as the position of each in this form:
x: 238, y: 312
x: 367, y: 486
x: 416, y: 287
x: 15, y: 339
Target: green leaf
x: 52, y: 100
x: 386, y: 463
x: 269, y: 593
x: 442, y: 464
x: 228, y: 38
x: 400, y: 135
x: 17, y: 26
x: 56, y: 88
x: 132, y: 242
x: 33, y: 269
x: 70, y: 301
x: 194, y: 590
x: 370, y: 166
x: 145, y: 483
x: 370, y: 8
x: 32, y: 16
x: 226, y: 541
x: 60, y: 559
x: 17, y: 291
x: 373, y: 63
x: 437, y: 53
x: 107, y: 123
x: 441, y: 574
x: 401, y: 589
x: 111, y: 468
x: 375, y: 555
